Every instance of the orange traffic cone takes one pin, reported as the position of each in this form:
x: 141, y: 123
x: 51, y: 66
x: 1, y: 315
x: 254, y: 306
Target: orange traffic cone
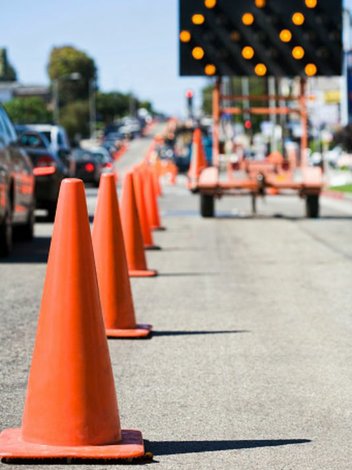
x: 110, y: 258
x: 138, y: 181
x: 198, y: 160
x: 71, y: 408
x: 156, y: 177
x: 152, y: 202
x: 132, y: 232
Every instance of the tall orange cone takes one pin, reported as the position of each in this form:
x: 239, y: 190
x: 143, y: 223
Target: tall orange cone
x: 198, y: 160
x: 152, y: 202
x: 156, y: 176
x: 111, y: 263
x: 132, y: 232
x: 138, y: 181
x: 71, y: 408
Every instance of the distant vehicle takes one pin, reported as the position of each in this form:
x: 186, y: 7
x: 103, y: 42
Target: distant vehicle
x: 49, y: 169
x: 131, y: 127
x: 17, y: 200
x: 182, y: 146
x: 56, y: 136
x: 89, y: 165
x: 113, y: 142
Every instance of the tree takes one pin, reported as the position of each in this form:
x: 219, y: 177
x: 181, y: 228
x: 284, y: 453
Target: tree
x: 343, y: 137
x: 207, y: 98
x: 7, y: 71
x: 111, y: 106
x: 73, y: 70
x: 74, y: 117
x: 28, y: 110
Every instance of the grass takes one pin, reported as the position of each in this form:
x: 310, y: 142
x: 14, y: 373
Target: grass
x: 346, y: 188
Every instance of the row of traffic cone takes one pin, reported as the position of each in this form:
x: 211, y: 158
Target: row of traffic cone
x: 71, y: 408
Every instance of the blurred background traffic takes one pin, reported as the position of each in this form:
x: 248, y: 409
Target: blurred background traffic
x: 69, y: 124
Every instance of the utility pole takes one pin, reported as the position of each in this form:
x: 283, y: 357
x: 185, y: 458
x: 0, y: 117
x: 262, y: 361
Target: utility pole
x: 92, y: 107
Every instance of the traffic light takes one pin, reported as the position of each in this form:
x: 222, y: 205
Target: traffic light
x: 189, y: 99
x: 282, y: 38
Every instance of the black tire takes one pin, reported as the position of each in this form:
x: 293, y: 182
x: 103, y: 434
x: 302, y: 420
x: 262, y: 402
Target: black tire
x: 6, y: 234
x: 26, y: 232
x: 52, y: 211
x: 312, y: 206
x: 207, y: 205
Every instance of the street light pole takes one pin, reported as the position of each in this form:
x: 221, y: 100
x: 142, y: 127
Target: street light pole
x: 56, y: 101
x: 56, y: 93
x: 92, y: 107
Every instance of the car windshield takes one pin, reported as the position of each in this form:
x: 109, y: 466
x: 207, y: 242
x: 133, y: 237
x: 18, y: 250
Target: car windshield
x: 82, y: 155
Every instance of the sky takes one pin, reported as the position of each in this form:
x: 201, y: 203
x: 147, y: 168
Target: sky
x: 134, y: 44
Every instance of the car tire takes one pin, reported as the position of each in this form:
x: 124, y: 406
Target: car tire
x: 26, y: 232
x: 6, y: 234
x: 312, y: 206
x: 207, y: 205
x: 52, y: 211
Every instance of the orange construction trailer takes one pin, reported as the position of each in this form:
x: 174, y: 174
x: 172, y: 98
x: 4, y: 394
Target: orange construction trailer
x: 271, y: 176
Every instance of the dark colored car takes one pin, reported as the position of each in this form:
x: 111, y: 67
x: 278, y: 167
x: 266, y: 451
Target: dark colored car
x: 49, y: 170
x: 90, y: 165
x: 17, y: 186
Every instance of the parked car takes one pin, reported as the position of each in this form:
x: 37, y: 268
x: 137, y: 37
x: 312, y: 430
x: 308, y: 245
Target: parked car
x: 89, y: 165
x: 17, y: 186
x: 49, y: 169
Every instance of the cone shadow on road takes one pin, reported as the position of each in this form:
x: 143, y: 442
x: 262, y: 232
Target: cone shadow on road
x: 35, y: 251
x: 190, y: 447
x: 198, y: 333
x: 187, y: 274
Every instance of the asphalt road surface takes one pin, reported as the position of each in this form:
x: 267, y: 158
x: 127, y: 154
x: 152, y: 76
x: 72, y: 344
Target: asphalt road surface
x: 250, y: 366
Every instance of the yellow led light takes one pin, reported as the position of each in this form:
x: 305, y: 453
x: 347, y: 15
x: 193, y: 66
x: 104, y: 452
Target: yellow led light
x: 311, y: 70
x: 248, y: 19
x: 285, y: 35
x: 260, y: 3
x: 198, y: 53
x: 210, y: 69
x: 248, y: 52
x: 198, y: 19
x: 210, y: 3
x: 260, y: 70
x: 311, y: 3
x: 185, y: 36
x: 298, y: 52
x: 298, y: 18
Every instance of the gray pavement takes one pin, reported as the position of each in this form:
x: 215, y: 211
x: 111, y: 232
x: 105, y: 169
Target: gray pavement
x: 250, y: 363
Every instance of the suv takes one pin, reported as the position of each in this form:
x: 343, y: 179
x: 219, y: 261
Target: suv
x: 56, y: 136
x: 17, y: 200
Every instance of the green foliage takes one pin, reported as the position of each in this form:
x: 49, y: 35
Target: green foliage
x: 63, y: 63
x: 114, y: 105
x: 207, y: 95
x: 28, y: 110
x: 344, y: 138
x: 7, y: 71
x: 74, y: 117
x: 111, y: 106
x: 346, y: 188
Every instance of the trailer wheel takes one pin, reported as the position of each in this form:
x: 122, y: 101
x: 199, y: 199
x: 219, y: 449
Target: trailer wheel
x: 207, y: 205
x: 312, y: 206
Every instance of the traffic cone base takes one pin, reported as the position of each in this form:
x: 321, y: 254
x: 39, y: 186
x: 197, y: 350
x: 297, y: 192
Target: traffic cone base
x: 141, y: 331
x: 143, y: 273
x: 12, y: 446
